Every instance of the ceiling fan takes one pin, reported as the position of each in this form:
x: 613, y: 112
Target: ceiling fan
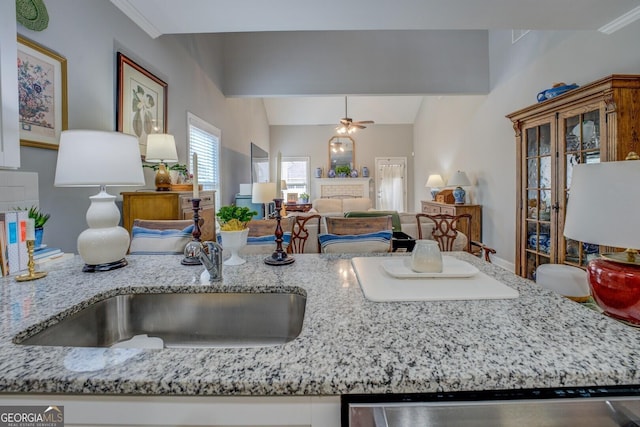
x: 347, y: 125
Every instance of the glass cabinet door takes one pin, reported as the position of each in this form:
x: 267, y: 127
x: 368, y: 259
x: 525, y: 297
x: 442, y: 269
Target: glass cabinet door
x: 539, y: 171
x: 581, y: 144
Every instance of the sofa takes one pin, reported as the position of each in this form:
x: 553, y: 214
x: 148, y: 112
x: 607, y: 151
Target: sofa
x: 340, y: 206
x: 336, y: 206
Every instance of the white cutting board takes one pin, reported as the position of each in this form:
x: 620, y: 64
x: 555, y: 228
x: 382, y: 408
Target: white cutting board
x: 377, y: 285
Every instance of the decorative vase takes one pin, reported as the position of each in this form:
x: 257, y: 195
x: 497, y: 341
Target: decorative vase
x: 331, y: 173
x: 39, y: 233
x: 426, y: 257
x: 365, y: 172
x: 354, y: 173
x: 459, y: 195
x: 175, y: 177
x: 234, y: 241
x: 318, y: 172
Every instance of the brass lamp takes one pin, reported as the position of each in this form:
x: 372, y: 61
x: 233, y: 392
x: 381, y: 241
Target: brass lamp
x: 161, y: 148
x: 604, y: 200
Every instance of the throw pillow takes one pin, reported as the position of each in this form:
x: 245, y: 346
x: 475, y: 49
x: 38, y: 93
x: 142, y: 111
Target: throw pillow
x: 356, y: 243
x: 150, y: 241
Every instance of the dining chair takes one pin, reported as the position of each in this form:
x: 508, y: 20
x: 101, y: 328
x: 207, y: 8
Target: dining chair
x: 300, y: 226
x: 446, y: 232
x: 261, y: 238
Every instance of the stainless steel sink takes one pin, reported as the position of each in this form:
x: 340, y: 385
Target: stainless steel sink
x: 226, y: 319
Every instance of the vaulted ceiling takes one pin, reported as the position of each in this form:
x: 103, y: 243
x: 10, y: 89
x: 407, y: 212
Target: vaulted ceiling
x: 158, y: 17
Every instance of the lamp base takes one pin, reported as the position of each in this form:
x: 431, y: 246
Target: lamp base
x: 104, y: 244
x: 104, y: 267
x: 434, y: 193
x: 459, y: 195
x: 279, y: 258
x: 163, y: 179
x: 616, y: 289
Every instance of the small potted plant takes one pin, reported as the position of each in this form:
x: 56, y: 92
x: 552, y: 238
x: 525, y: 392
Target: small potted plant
x: 343, y: 171
x: 304, y: 198
x: 233, y: 230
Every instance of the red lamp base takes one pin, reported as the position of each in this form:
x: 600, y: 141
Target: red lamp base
x: 616, y: 288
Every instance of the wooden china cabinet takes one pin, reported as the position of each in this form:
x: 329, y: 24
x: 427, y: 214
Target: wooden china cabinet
x: 597, y: 122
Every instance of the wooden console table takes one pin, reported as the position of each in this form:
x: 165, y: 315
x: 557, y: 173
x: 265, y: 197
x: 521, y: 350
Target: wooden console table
x: 434, y: 208
x: 168, y: 205
x: 298, y: 207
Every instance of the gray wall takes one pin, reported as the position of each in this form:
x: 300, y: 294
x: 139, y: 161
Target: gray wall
x: 374, y: 141
x: 346, y: 62
x: 89, y: 33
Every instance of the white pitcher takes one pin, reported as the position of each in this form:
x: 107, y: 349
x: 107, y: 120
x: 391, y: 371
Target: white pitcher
x: 426, y: 257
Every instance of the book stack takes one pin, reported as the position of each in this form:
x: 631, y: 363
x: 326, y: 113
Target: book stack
x: 44, y: 255
x: 13, y: 242
x: 14, y: 256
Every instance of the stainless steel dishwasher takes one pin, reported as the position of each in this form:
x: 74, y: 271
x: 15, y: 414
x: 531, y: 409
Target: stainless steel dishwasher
x: 558, y: 407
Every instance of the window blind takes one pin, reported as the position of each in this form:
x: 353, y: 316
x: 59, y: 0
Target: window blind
x: 204, y: 139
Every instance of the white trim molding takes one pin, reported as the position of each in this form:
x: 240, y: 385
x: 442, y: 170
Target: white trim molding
x: 134, y: 14
x: 621, y: 21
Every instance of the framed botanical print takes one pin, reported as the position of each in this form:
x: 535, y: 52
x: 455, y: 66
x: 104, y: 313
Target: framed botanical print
x: 142, y: 102
x: 42, y: 95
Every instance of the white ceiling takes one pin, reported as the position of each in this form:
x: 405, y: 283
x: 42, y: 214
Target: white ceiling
x: 158, y: 17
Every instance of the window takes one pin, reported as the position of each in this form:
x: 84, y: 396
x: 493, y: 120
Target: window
x: 295, y: 171
x: 204, y: 139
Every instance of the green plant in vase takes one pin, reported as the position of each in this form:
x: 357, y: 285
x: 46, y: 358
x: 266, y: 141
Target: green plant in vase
x: 343, y: 170
x: 234, y: 218
x: 304, y: 197
x: 233, y: 230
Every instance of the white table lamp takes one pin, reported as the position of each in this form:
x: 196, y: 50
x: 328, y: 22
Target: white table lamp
x: 459, y: 180
x: 263, y: 193
x: 161, y: 148
x: 604, y: 200
x: 435, y: 182
x: 88, y: 158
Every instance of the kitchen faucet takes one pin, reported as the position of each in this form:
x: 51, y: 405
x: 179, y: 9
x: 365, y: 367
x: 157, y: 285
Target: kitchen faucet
x: 211, y: 258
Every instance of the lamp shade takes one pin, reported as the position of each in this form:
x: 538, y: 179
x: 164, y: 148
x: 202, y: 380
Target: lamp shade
x: 90, y: 158
x: 263, y: 192
x: 604, y: 200
x: 283, y: 184
x: 435, y: 181
x: 459, y: 179
x: 161, y: 147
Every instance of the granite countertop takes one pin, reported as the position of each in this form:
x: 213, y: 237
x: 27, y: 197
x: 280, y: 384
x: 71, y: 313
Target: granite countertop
x: 347, y: 345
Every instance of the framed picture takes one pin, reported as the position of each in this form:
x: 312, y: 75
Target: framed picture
x: 42, y: 95
x: 142, y: 102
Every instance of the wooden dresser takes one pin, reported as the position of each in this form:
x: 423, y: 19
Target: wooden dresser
x: 168, y: 205
x: 435, y: 208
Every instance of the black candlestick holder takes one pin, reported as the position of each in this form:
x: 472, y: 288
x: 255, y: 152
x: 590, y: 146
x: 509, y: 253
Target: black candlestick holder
x: 279, y: 257
x: 193, y: 248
